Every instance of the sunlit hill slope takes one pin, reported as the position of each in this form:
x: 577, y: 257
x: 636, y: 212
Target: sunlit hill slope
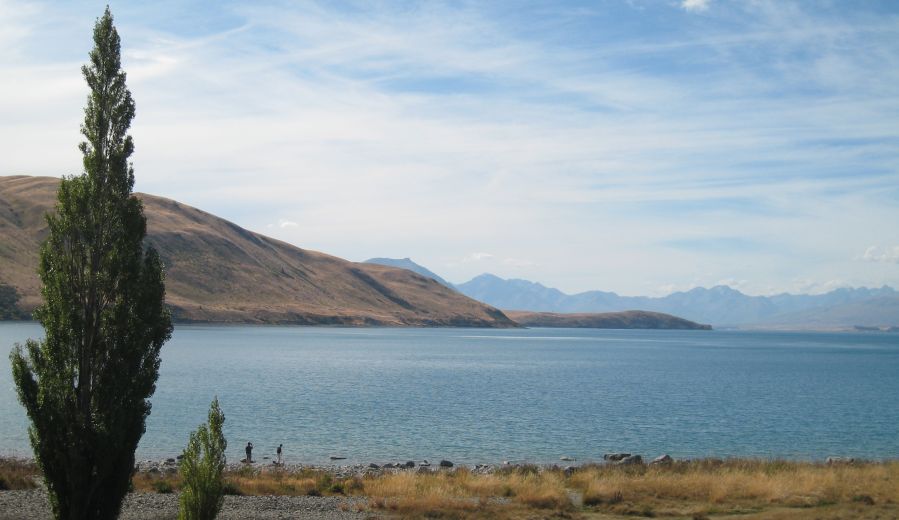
x: 217, y: 271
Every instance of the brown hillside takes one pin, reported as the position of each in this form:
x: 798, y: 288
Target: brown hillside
x: 605, y: 320
x: 217, y: 271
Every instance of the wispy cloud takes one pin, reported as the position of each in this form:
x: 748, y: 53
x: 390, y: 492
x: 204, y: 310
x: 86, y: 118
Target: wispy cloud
x: 727, y: 245
x: 695, y: 5
x: 805, y: 286
x: 519, y: 262
x: 477, y: 257
x: 588, y: 142
x: 882, y: 254
x: 733, y: 283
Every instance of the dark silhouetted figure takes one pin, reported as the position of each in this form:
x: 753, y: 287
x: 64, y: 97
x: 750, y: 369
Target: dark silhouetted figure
x: 249, y: 450
x: 278, y: 451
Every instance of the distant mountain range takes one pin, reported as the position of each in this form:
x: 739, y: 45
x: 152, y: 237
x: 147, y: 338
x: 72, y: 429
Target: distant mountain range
x: 217, y: 271
x: 720, y: 306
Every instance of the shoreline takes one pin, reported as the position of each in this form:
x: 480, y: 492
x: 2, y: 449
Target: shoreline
x: 838, y: 329
x: 169, y: 466
x: 622, y: 487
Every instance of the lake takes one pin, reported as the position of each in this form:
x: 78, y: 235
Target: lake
x: 476, y: 395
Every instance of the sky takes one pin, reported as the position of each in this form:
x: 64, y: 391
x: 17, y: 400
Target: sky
x: 636, y: 146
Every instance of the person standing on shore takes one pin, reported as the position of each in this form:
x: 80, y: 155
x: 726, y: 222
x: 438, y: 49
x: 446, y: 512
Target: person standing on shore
x: 249, y: 450
x: 278, y: 451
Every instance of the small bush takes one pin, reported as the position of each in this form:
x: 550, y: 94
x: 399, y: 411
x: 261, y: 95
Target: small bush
x: 863, y: 499
x: 246, y: 472
x: 201, y: 469
x: 545, y: 500
x: 17, y: 474
x: 353, y: 486
x: 595, y: 496
x: 592, y: 499
x: 230, y: 489
x: 162, y: 486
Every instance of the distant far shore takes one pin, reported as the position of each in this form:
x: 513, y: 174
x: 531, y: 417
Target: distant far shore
x: 605, y: 320
x: 537, y: 320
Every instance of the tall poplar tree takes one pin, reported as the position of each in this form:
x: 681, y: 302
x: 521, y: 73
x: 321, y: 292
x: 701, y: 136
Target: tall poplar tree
x: 86, y: 385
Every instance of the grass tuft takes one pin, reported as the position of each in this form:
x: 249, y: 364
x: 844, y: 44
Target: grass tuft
x: 17, y: 474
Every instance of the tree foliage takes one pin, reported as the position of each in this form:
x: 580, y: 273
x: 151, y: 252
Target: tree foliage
x: 86, y: 386
x: 9, y: 304
x: 202, y: 491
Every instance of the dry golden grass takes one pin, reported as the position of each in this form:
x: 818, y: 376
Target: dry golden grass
x: 253, y: 482
x: 745, y: 489
x: 277, y: 483
x: 155, y: 483
x: 717, y: 487
x: 703, y: 489
x: 18, y: 474
x: 790, y: 484
x: 451, y: 494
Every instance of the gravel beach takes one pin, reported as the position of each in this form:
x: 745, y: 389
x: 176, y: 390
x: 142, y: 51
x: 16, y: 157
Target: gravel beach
x: 33, y: 505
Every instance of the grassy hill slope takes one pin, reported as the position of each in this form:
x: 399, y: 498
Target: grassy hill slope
x: 217, y: 271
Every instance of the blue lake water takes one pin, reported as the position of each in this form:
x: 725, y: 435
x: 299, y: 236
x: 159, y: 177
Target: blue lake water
x: 474, y: 395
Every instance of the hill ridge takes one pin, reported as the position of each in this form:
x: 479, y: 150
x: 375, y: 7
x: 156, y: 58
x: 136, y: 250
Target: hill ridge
x: 217, y: 271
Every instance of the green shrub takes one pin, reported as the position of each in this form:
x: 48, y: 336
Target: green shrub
x: 162, y: 486
x: 203, y: 487
x: 353, y: 485
x: 230, y: 489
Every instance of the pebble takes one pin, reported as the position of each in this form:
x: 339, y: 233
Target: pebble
x: 34, y: 505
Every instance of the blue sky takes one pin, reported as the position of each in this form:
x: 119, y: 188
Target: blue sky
x: 628, y: 145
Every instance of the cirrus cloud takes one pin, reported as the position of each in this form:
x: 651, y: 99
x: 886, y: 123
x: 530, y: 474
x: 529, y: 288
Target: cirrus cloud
x: 534, y: 133
x: 695, y: 5
x: 477, y: 257
x: 882, y: 254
